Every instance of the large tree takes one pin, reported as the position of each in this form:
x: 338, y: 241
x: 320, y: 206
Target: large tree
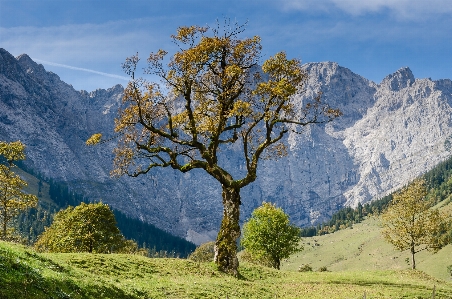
x: 213, y: 95
x: 410, y: 222
x: 269, y: 235
x: 12, y: 199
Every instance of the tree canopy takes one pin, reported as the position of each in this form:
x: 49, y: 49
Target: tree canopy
x: 268, y: 235
x: 410, y: 222
x: 213, y: 95
x: 12, y: 199
x: 85, y: 228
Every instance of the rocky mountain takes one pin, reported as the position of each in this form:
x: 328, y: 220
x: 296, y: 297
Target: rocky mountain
x: 390, y: 133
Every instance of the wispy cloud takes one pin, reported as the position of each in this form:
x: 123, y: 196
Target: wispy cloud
x: 79, y: 49
x: 404, y: 9
x: 364, y: 35
x: 85, y: 45
x: 81, y: 69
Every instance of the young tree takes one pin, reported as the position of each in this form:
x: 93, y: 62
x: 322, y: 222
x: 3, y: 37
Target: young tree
x: 269, y: 235
x: 214, y: 95
x: 85, y: 228
x: 410, y: 223
x: 12, y: 198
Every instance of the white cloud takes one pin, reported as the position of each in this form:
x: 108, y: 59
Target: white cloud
x: 73, y: 51
x: 404, y: 9
x: 89, y: 46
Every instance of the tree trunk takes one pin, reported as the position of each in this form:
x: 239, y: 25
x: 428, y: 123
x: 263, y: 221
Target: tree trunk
x: 276, y: 263
x: 226, y: 243
x: 4, y: 212
x: 413, y: 262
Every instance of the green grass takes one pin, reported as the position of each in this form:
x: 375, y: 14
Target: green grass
x: 362, y: 248
x: 27, y: 274
x: 359, y: 260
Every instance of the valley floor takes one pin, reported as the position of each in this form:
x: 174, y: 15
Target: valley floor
x: 27, y: 274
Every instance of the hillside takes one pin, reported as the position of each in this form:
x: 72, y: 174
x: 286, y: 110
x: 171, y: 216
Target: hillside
x: 358, y: 260
x: 390, y: 133
x: 439, y: 181
x: 29, y: 275
x: 362, y: 248
x: 56, y: 196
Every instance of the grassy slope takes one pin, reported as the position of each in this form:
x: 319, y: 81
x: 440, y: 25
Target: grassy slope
x: 362, y: 248
x: 360, y: 261
x: 152, y: 237
x: 27, y: 274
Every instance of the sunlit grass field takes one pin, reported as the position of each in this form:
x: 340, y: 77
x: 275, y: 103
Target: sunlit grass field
x: 362, y: 248
x: 359, y: 262
x: 27, y: 274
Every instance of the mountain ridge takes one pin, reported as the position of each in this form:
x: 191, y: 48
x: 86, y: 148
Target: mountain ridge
x: 390, y: 133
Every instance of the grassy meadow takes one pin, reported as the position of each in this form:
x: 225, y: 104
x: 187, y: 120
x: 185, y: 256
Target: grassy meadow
x: 362, y: 248
x: 359, y: 263
x: 27, y: 274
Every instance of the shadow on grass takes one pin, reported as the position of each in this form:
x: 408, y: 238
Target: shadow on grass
x: 20, y: 280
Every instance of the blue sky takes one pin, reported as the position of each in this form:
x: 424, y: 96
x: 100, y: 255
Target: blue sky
x: 85, y: 42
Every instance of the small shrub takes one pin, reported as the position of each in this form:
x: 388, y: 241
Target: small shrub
x: 449, y: 269
x: 248, y: 257
x: 305, y: 268
x: 203, y: 253
x: 323, y: 269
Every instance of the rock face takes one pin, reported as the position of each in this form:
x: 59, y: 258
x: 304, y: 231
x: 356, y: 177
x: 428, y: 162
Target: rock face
x: 389, y: 134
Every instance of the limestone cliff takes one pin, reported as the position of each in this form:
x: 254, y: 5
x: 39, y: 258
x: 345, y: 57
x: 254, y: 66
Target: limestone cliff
x: 390, y: 133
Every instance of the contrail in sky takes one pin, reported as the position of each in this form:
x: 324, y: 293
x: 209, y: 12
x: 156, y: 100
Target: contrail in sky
x: 81, y: 69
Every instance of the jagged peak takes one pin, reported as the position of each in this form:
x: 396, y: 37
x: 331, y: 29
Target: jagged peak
x: 29, y: 64
x: 402, y: 78
x: 322, y: 65
x: 10, y: 67
x: 117, y: 87
x: 326, y: 68
x: 4, y: 52
x: 6, y: 58
x: 327, y: 72
x: 100, y: 92
x: 25, y: 58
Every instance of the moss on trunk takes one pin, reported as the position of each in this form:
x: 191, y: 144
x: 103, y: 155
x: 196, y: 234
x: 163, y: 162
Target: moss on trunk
x: 226, y: 243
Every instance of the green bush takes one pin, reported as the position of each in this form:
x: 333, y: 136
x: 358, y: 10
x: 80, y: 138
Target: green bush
x: 203, y: 253
x: 262, y: 260
x: 305, y: 268
x: 85, y: 228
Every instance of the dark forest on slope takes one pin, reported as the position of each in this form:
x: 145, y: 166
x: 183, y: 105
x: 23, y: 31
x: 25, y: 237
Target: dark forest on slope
x: 31, y: 223
x: 438, y: 180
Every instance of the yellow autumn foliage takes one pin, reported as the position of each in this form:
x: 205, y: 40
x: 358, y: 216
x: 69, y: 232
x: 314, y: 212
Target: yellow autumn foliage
x: 12, y: 199
x: 410, y: 222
